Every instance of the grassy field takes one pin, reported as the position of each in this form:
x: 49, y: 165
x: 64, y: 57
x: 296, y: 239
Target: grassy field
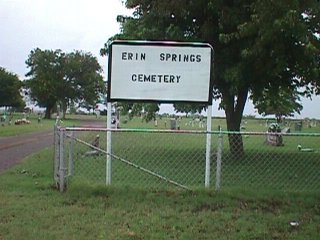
x: 184, y: 123
x: 7, y: 129
x: 31, y: 208
x: 192, y: 123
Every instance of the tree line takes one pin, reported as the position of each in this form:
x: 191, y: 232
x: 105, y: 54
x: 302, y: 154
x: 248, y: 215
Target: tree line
x: 55, y: 79
x: 10, y: 86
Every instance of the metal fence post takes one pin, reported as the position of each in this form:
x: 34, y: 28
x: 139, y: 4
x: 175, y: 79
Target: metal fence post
x: 61, y: 162
x: 208, y: 147
x: 56, y: 154
x: 71, y: 155
x: 219, y: 155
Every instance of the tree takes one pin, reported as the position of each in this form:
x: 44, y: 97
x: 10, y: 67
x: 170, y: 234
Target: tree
x: 147, y: 111
x: 83, y: 81
x: 281, y: 50
x: 282, y: 104
x: 59, y: 78
x: 10, y: 86
x: 188, y: 108
x: 259, y: 45
x: 285, y: 52
x: 45, y: 77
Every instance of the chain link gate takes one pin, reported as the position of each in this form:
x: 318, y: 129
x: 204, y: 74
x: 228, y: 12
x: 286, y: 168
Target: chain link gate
x: 166, y: 159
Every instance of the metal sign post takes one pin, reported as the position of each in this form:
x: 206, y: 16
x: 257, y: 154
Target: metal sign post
x: 208, y: 147
x: 109, y: 144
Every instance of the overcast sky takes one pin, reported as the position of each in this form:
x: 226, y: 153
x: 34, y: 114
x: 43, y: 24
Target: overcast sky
x: 55, y: 24
x: 70, y: 25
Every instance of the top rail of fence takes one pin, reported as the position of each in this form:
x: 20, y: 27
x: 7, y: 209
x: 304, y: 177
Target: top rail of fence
x: 93, y: 129
x: 99, y: 129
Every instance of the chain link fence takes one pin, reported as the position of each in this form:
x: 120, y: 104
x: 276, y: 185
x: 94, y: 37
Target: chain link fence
x: 177, y: 159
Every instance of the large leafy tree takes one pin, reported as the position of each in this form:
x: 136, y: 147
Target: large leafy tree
x: 59, y: 78
x: 83, y: 82
x: 279, y: 102
x: 259, y: 45
x: 45, y: 77
x: 285, y: 53
x: 10, y: 87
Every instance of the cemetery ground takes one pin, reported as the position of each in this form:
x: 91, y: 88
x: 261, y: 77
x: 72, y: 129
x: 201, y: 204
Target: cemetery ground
x: 32, y: 208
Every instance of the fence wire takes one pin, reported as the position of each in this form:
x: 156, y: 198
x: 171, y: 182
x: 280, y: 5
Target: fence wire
x: 166, y: 159
x: 292, y: 165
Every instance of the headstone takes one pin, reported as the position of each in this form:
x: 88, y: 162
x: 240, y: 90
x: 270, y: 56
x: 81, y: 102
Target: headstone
x: 173, y: 124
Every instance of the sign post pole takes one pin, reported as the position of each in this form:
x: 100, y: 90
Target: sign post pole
x: 208, y: 147
x: 109, y: 149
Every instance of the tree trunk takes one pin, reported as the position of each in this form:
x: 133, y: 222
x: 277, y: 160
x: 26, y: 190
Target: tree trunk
x: 234, y: 111
x: 48, y: 112
x: 279, y: 118
x: 64, y: 109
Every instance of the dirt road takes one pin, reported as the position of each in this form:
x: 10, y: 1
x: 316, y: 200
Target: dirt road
x: 14, y: 149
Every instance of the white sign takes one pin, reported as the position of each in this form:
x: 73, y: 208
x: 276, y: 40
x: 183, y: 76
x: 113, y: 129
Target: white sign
x: 159, y: 71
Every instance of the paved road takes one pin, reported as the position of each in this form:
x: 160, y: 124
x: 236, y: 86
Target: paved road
x: 14, y: 149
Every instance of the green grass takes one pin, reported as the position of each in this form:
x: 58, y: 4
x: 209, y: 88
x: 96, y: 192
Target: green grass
x: 248, y: 124
x: 31, y: 208
x: 7, y: 129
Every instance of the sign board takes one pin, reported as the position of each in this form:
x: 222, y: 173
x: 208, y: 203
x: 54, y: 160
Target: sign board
x: 159, y: 71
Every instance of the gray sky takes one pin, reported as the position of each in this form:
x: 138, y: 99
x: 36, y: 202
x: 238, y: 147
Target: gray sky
x: 71, y: 25
x: 55, y: 24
